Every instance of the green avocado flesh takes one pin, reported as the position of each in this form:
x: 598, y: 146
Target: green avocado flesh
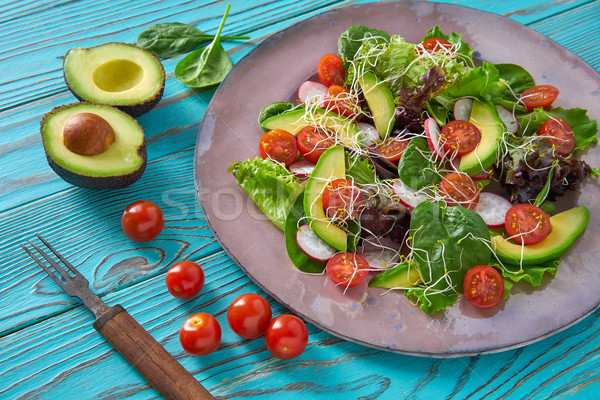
x: 566, y: 228
x: 117, y: 74
x: 331, y: 165
x: 485, y: 117
x: 121, y: 164
x: 293, y: 121
x: 381, y: 103
x: 401, y: 276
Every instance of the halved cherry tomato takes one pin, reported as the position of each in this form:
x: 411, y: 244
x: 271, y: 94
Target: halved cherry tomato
x: 249, y: 315
x: 312, y: 142
x: 560, y: 135
x: 458, y: 189
x: 527, y: 224
x: 347, y: 269
x: 286, y: 336
x: 339, y: 100
x: 278, y: 145
x: 391, y: 149
x: 331, y: 70
x: 432, y: 45
x: 539, y: 96
x: 459, y: 137
x: 342, y: 199
x: 483, y: 286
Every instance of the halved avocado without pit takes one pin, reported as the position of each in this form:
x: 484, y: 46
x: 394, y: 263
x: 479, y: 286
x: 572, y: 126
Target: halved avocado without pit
x: 94, y: 146
x: 116, y: 74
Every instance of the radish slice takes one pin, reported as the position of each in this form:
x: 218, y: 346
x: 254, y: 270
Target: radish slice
x: 312, y: 245
x: 462, y: 109
x: 508, y: 119
x: 492, y: 208
x: 408, y: 197
x: 367, y: 133
x: 301, y: 168
x: 432, y: 133
x: 312, y: 93
x: 381, y: 260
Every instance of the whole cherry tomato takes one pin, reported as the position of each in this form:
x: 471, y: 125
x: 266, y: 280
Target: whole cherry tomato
x: 249, y: 315
x: 286, y: 337
x: 142, y: 221
x: 185, y: 279
x: 200, y: 334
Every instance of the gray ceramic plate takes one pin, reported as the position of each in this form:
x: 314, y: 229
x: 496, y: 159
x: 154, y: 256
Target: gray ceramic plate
x: 230, y: 133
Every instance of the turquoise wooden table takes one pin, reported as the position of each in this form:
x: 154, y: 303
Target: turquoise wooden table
x: 48, y: 348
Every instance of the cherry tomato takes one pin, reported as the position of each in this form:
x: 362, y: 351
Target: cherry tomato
x: 527, y: 224
x: 249, y: 315
x: 342, y: 199
x: 142, y: 221
x: 339, y: 100
x: 286, y: 337
x: 331, y: 70
x: 560, y: 135
x: 432, y: 45
x: 347, y: 269
x: 459, y: 137
x: 312, y: 142
x: 391, y: 149
x: 200, y: 334
x: 458, y: 189
x: 483, y: 286
x: 539, y: 96
x: 278, y: 145
x: 185, y: 279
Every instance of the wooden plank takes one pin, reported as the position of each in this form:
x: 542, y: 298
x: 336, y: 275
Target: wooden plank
x: 64, y: 357
x: 86, y: 227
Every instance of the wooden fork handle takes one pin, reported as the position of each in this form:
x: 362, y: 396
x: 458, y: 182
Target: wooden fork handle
x: 148, y: 357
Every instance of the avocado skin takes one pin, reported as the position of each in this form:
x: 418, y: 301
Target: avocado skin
x: 99, y: 182
x: 87, y: 181
x: 133, y: 109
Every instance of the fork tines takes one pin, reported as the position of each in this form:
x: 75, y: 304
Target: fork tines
x: 65, y: 276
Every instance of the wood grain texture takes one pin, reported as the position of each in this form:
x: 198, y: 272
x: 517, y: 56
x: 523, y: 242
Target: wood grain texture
x: 48, y: 348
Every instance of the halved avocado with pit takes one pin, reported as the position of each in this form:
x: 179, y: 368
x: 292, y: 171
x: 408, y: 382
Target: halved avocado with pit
x: 117, y: 74
x: 94, y: 146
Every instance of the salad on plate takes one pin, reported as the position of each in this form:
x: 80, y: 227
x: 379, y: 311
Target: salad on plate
x: 419, y: 168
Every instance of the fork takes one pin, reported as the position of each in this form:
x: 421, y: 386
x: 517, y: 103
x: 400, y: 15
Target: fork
x: 122, y: 331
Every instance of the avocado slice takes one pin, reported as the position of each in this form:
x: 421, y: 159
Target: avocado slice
x: 331, y: 165
x: 119, y: 165
x: 117, y: 74
x: 381, y: 103
x: 401, y: 276
x: 293, y: 121
x: 566, y: 228
x: 485, y: 117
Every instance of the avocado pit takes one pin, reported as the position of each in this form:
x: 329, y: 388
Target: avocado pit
x: 88, y: 134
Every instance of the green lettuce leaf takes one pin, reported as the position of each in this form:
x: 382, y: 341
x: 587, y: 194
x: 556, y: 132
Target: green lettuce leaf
x: 360, y: 170
x: 531, y: 273
x: 352, y: 39
x: 464, y: 51
x: 431, y: 302
x: 584, y: 129
x: 271, y: 186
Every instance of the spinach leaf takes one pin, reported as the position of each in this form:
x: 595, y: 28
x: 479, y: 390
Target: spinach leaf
x: 584, y: 129
x: 516, y: 77
x: 272, y: 187
x: 416, y: 168
x: 205, y: 67
x: 300, y: 260
x: 447, y: 242
x: 273, y: 109
x: 170, y: 39
x: 351, y: 40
